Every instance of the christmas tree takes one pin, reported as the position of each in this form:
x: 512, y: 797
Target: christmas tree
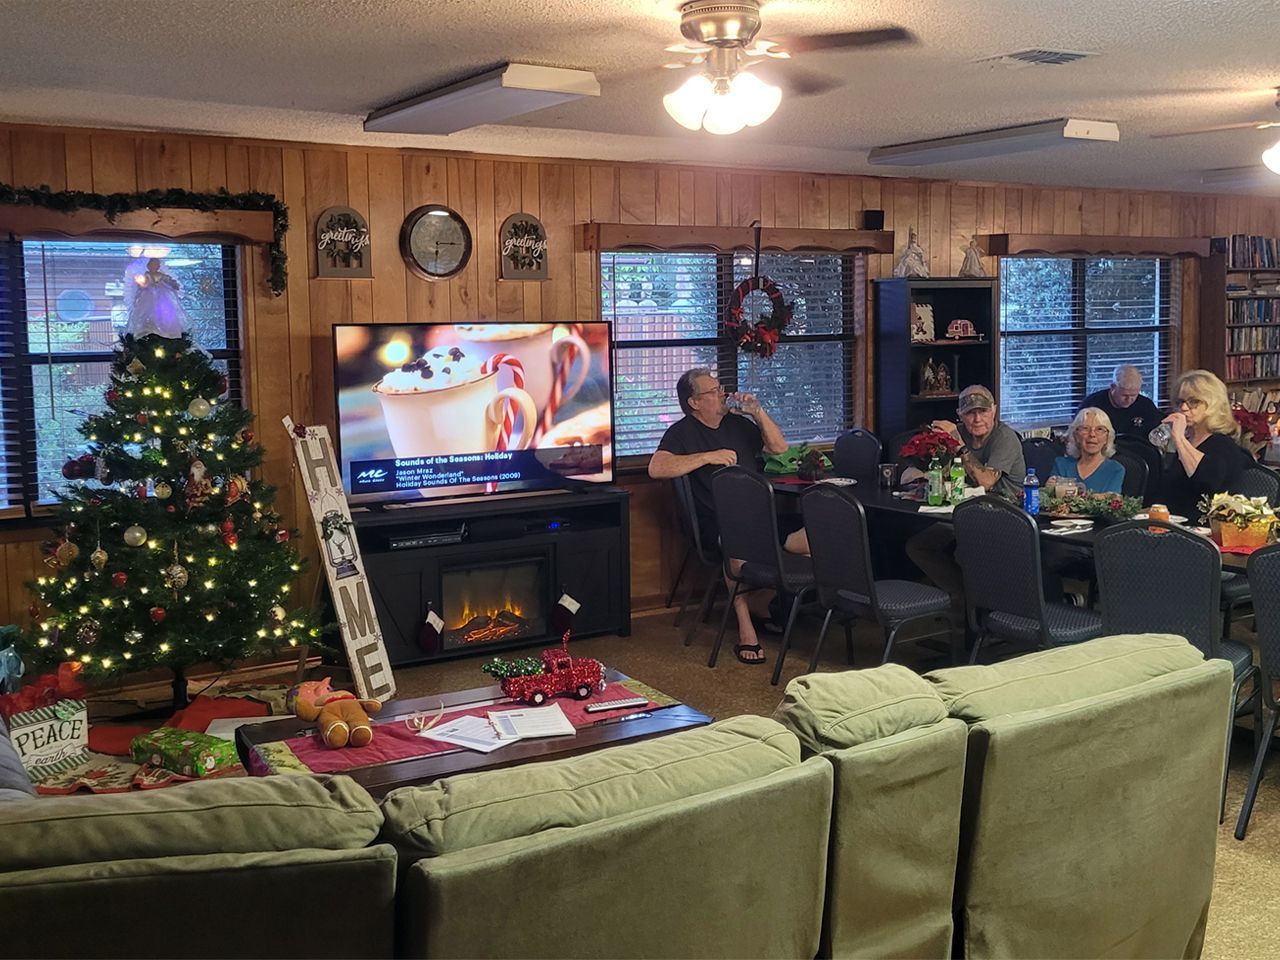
x: 174, y: 556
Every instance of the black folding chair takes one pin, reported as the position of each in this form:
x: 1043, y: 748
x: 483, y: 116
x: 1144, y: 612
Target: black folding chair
x: 1264, y: 574
x: 837, y: 528
x: 1144, y: 451
x: 749, y: 533
x: 1255, y: 481
x: 998, y: 549
x: 1039, y: 453
x: 1169, y: 582
x: 1136, y: 474
x: 856, y: 454
x: 1259, y: 481
x: 708, y: 554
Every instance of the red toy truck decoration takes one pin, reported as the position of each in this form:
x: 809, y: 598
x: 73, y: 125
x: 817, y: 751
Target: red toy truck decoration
x: 534, y: 682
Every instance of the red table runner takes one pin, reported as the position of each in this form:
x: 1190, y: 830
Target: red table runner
x: 395, y: 740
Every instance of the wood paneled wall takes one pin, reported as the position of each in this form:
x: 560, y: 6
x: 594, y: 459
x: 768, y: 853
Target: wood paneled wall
x: 287, y: 337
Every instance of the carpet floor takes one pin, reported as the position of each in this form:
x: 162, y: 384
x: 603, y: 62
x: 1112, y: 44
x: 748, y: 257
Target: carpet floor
x: 1244, y: 920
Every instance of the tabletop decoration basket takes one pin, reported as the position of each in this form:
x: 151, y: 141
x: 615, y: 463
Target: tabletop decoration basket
x: 1239, y: 521
x: 1110, y: 508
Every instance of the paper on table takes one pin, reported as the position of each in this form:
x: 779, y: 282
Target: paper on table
x: 474, y: 733
x: 536, y: 722
x: 225, y: 727
x: 927, y: 509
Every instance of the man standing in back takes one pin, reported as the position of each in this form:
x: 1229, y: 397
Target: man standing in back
x: 1131, y: 413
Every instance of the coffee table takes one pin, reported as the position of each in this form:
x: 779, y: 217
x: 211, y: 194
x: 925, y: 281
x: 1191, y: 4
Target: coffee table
x: 380, y: 778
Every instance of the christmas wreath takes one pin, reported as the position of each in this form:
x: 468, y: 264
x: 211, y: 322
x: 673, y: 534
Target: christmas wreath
x: 761, y: 337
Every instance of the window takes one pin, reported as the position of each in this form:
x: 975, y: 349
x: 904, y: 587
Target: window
x: 1066, y: 324
x: 63, y: 305
x: 666, y: 310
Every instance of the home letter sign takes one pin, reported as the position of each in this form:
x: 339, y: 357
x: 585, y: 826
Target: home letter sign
x: 342, y: 245
x: 522, y: 248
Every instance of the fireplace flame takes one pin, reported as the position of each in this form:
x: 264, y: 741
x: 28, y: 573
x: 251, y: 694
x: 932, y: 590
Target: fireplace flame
x: 490, y: 608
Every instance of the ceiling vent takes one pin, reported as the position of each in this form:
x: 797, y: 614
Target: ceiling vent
x: 1035, y: 57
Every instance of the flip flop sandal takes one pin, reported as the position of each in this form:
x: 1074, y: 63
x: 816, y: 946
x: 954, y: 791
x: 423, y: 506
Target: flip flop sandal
x: 738, y: 648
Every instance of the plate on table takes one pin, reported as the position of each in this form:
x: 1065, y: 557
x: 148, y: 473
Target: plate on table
x: 1173, y: 517
x: 839, y: 481
x: 1074, y: 523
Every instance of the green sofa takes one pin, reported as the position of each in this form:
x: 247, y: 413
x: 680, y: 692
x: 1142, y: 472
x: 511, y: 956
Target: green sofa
x: 706, y: 843
x: 1090, y: 814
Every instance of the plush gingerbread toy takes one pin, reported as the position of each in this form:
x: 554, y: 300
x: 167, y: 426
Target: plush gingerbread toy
x: 343, y: 719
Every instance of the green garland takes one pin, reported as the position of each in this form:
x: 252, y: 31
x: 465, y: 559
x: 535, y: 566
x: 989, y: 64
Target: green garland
x: 114, y: 204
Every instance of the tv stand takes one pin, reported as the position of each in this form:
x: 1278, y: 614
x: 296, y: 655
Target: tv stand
x: 537, y: 546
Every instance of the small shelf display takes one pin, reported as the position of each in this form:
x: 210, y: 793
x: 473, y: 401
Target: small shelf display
x: 1240, y: 310
x: 934, y: 337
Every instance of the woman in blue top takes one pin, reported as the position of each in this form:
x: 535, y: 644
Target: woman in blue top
x: 1091, y: 442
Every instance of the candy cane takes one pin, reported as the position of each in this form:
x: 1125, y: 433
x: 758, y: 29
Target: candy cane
x: 508, y: 412
x: 560, y: 382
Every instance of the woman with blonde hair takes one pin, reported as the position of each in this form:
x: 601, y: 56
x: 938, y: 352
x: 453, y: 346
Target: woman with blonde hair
x: 1206, y: 441
x: 1091, y: 443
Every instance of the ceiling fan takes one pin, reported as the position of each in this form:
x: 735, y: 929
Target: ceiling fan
x: 721, y: 38
x: 1255, y: 124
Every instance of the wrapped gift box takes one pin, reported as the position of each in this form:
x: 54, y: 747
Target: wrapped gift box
x: 183, y: 751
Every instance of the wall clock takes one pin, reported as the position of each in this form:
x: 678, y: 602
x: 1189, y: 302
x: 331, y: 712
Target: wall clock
x: 435, y: 242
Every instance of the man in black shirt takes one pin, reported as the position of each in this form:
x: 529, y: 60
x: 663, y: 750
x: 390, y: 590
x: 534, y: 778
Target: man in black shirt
x: 709, y: 436
x: 1131, y: 413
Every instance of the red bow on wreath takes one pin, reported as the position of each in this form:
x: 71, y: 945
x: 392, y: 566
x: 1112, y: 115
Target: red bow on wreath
x: 762, y: 338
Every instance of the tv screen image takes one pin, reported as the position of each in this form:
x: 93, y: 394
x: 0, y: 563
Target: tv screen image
x: 430, y: 410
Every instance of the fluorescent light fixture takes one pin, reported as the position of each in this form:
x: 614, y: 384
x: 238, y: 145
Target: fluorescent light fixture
x: 509, y: 91
x: 994, y: 143
x: 1254, y: 176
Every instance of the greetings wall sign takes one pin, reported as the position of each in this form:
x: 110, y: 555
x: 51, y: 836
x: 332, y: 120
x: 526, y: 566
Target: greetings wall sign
x: 522, y: 248
x: 342, y: 245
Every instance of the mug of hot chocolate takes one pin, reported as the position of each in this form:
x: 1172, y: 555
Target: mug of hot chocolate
x: 538, y: 349
x: 448, y: 401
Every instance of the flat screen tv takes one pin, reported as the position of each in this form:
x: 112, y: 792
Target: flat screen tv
x: 434, y: 410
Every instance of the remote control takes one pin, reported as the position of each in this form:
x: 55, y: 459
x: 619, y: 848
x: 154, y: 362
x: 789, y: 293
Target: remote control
x: 616, y: 704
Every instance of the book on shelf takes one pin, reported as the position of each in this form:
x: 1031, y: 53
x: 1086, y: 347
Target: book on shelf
x: 1261, y: 366
x: 1248, y: 252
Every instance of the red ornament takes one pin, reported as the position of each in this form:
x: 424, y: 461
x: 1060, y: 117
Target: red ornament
x: 141, y: 490
x: 157, y: 614
x: 95, y: 502
x: 169, y: 508
x: 70, y: 470
x: 246, y: 436
x: 228, y: 525
x: 223, y: 386
x: 35, y: 611
x: 282, y: 535
x: 230, y: 539
x: 113, y: 395
x: 141, y: 418
x: 120, y: 578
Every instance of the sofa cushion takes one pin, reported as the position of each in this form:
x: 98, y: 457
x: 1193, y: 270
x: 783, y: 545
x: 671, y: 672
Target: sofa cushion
x: 246, y: 815
x: 466, y: 811
x: 14, y: 782
x: 1062, y: 675
x: 832, y: 711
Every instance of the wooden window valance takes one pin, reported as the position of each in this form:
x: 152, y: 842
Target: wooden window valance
x: 639, y: 236
x: 208, y: 226
x: 1025, y: 244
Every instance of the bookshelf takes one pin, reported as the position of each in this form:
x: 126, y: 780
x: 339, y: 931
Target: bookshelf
x: 1240, y: 312
x: 902, y: 403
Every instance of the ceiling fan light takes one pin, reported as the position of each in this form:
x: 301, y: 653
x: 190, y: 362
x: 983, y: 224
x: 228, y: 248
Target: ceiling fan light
x: 1271, y: 158
x: 755, y: 100
x: 689, y: 101
x: 723, y: 116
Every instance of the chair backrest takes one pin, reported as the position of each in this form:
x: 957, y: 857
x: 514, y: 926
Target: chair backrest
x: 1039, y: 453
x: 1259, y: 481
x: 687, y: 512
x: 896, y: 445
x: 1138, y: 447
x: 836, y: 525
x: 998, y: 549
x: 1136, y: 474
x: 1159, y: 582
x: 1264, y: 585
x: 746, y: 517
x: 856, y: 454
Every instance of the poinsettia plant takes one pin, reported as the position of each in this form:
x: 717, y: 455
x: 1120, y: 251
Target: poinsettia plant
x: 1105, y: 507
x: 927, y: 444
x: 1255, y: 428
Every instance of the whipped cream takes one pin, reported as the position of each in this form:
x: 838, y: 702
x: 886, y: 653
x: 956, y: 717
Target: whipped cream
x: 435, y: 370
x: 499, y: 331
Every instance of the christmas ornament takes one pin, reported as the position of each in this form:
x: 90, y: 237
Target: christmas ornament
x: 140, y: 491
x: 98, y: 559
x: 282, y: 535
x: 199, y: 408
x: 153, y: 457
x: 157, y: 614
x: 100, y: 471
x: 198, y: 485
x: 223, y: 386
x: 169, y: 509
x: 230, y: 539
x: 136, y: 366
x: 135, y: 536
x: 175, y: 576
x: 162, y: 490
x: 237, y: 487
x: 257, y: 515
x: 228, y: 525
x: 66, y: 552
x: 112, y: 395
x: 141, y: 418
x: 36, y: 613
x: 88, y: 632
x: 95, y: 502
x: 120, y: 578
x: 277, y: 613
x: 244, y: 436
x: 79, y: 468
x: 208, y: 529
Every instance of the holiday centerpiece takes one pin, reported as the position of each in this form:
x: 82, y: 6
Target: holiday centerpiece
x: 1237, y: 521
x: 1104, y: 507
x: 929, y: 444
x: 168, y: 553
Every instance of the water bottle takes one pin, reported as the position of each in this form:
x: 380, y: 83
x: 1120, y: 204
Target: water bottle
x: 957, y: 481
x: 936, y: 499
x: 1031, y: 493
x: 1162, y: 438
